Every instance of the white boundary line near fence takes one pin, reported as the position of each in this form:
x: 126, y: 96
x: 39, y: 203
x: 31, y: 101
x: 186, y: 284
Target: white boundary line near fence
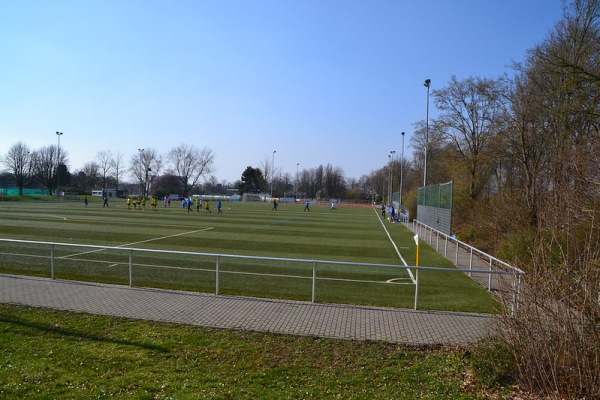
x: 412, y: 278
x: 218, y: 257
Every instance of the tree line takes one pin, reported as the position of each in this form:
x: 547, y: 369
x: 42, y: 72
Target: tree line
x: 176, y: 172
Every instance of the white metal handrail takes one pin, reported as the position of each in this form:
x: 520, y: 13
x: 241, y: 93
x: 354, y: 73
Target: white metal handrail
x: 473, y: 252
x: 218, y: 257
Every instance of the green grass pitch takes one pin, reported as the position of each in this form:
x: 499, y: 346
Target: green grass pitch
x: 346, y: 235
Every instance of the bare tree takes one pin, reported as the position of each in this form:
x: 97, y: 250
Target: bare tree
x: 439, y: 154
x: 526, y: 143
x: 190, y: 164
x: 143, y: 165
x: 471, y: 111
x: 105, y: 162
x: 268, y: 171
x: 334, y: 182
x: 92, y: 173
x: 117, y: 167
x: 47, y: 162
x: 19, y: 161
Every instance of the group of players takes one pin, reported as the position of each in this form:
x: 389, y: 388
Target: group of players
x: 140, y: 203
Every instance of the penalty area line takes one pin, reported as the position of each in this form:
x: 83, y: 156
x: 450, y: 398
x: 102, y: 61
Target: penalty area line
x: 141, y: 241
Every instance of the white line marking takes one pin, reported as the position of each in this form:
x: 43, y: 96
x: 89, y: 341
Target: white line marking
x: 397, y: 279
x: 141, y: 241
x: 394, y: 244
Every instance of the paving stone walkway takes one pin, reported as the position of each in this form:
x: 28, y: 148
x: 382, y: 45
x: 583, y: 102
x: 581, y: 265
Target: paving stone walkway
x: 245, y: 313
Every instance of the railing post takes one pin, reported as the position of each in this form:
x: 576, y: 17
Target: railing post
x: 490, y: 276
x: 456, y: 261
x: 52, y: 261
x: 217, y: 283
x: 446, y: 247
x: 130, y: 267
x: 314, y: 282
x: 470, y: 261
x: 416, y: 287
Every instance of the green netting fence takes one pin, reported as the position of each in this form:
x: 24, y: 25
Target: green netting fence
x: 26, y: 192
x: 439, y: 195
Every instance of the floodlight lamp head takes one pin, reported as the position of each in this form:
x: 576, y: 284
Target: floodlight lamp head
x: 402, y: 133
x: 427, y: 83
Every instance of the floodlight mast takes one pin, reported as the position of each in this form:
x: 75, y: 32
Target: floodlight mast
x: 401, y: 170
x: 392, y: 152
x: 427, y: 84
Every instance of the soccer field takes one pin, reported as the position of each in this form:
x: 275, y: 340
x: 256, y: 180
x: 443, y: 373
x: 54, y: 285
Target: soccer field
x: 276, y: 252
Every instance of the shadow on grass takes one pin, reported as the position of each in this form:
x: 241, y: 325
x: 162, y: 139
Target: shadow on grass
x: 58, y: 330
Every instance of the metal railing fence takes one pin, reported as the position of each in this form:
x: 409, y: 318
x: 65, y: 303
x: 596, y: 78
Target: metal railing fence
x: 472, y: 260
x: 127, y: 265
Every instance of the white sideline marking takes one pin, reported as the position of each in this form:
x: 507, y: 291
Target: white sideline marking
x: 393, y: 280
x: 141, y: 241
x: 395, y: 247
x: 34, y: 216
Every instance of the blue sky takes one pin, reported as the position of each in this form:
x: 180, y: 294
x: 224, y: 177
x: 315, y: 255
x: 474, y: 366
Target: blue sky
x: 317, y: 81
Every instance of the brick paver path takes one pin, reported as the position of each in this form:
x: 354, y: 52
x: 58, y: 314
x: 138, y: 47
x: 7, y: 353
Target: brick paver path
x: 264, y: 315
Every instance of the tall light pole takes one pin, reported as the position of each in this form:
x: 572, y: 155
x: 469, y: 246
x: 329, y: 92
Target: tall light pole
x: 389, y: 178
x: 392, y: 152
x: 401, y: 170
x: 59, y: 134
x: 273, y: 172
x: 426, y: 84
x: 297, y: 165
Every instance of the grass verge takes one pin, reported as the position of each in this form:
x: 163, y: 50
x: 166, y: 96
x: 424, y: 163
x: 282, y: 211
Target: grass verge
x: 48, y: 354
